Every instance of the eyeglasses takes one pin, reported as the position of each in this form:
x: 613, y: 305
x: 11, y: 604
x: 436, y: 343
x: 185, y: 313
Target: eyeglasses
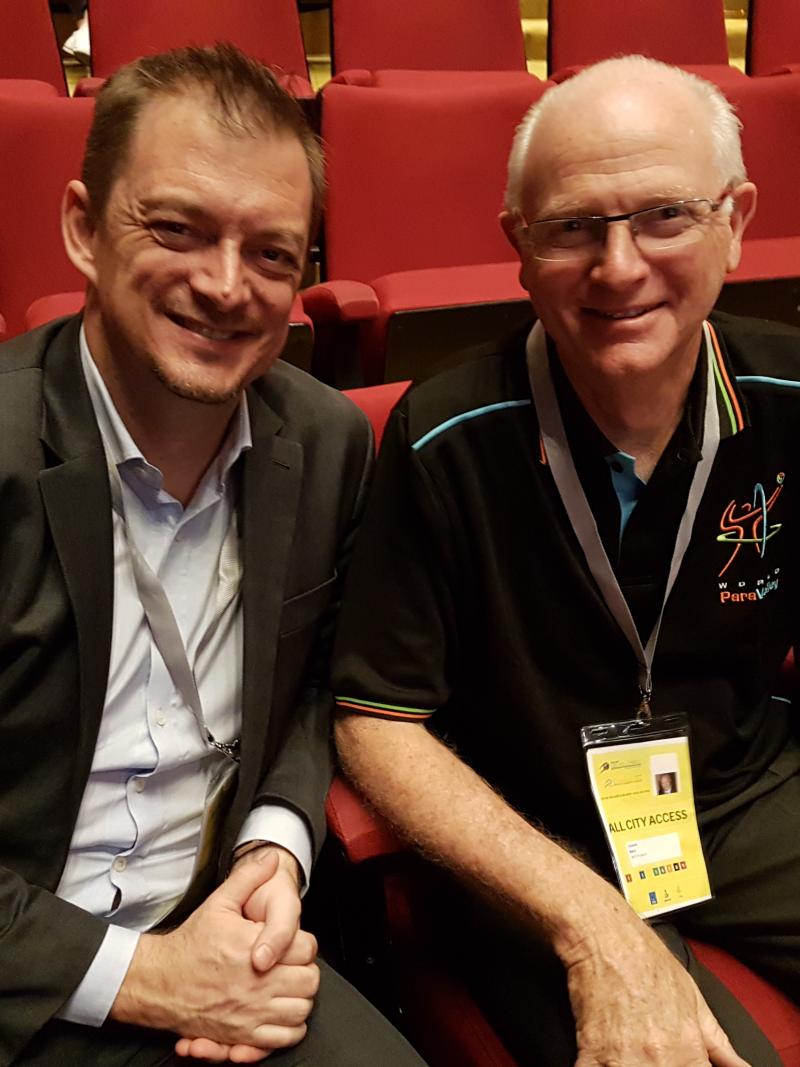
x: 654, y: 229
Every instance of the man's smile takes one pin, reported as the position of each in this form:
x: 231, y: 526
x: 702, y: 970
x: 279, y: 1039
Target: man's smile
x: 623, y: 313
x: 202, y: 329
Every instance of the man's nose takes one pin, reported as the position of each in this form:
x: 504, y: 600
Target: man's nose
x: 221, y: 277
x: 620, y: 262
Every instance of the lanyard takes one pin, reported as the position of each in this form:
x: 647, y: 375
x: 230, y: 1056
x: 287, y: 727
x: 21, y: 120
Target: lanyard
x: 161, y: 619
x: 569, y: 486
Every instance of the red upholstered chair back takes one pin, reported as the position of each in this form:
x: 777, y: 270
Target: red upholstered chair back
x: 41, y: 149
x: 377, y: 401
x: 425, y: 191
x: 28, y: 46
x: 773, y: 35
x: 426, y: 35
x: 769, y: 109
x: 680, y: 32
x: 267, y: 29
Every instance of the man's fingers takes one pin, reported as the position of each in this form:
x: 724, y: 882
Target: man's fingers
x: 720, y: 1051
x: 202, y: 1048
x: 246, y: 878
x: 248, y: 1054
x: 275, y: 1037
x: 302, y: 950
x: 278, y: 932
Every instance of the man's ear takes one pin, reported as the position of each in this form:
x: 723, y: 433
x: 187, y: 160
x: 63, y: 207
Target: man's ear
x: 79, y: 230
x: 509, y: 220
x: 745, y: 197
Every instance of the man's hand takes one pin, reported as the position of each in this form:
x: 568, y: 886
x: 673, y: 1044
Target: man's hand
x: 276, y: 904
x: 199, y: 981
x: 302, y: 952
x: 635, y: 1006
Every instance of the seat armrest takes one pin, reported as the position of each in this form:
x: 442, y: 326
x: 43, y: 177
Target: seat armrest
x: 47, y: 308
x: 89, y: 86
x: 362, y: 833
x: 333, y: 302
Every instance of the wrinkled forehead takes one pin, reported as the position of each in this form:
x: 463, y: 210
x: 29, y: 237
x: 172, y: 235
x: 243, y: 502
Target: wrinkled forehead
x: 654, y: 138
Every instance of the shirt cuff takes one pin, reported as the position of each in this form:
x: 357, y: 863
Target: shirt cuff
x: 279, y: 825
x: 91, y: 1002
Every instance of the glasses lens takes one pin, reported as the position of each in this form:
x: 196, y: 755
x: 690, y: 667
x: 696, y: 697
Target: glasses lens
x: 565, y: 238
x: 672, y: 224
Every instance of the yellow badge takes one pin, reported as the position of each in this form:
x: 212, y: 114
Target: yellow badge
x: 643, y: 791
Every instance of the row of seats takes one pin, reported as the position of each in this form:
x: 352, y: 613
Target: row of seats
x: 415, y: 266
x: 379, y: 35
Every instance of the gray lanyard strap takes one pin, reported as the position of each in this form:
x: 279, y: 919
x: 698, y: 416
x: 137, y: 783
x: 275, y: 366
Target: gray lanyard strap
x: 161, y: 619
x: 569, y: 486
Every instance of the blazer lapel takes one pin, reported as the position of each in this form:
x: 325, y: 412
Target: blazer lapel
x: 273, y: 471
x: 77, y: 500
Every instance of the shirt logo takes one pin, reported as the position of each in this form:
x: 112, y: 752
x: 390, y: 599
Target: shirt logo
x: 748, y: 524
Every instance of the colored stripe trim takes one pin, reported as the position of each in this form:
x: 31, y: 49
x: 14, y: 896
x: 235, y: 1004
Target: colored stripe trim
x: 542, y: 453
x: 783, y: 700
x: 368, y: 709
x: 724, y: 382
x: 761, y: 379
x: 356, y: 702
x: 474, y: 414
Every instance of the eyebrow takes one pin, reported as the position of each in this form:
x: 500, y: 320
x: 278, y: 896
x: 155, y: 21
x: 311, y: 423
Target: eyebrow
x: 656, y: 200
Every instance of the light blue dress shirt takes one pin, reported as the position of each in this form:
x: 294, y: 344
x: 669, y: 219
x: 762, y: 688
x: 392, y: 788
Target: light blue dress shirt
x: 135, y: 842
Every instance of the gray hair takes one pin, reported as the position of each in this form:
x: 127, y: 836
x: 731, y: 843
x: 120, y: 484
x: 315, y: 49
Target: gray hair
x: 724, y: 126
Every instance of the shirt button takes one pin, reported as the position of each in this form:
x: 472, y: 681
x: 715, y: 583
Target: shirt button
x: 161, y: 719
x: 138, y: 785
x: 616, y: 466
x: 120, y: 863
x: 683, y: 455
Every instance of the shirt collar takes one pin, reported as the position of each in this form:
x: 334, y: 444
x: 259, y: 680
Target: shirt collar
x: 584, y: 435
x: 121, y: 448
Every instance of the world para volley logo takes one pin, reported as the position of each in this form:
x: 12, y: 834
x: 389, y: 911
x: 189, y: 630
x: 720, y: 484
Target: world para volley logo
x: 745, y: 525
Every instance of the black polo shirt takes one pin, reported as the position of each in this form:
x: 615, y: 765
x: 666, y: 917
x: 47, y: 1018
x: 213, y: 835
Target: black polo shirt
x: 470, y: 604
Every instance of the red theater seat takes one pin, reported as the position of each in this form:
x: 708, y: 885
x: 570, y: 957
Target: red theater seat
x: 41, y: 149
x: 266, y: 29
x: 28, y: 45
x: 25, y: 88
x: 767, y: 283
x: 682, y: 32
x: 419, y: 35
x: 417, y: 200
x: 773, y: 35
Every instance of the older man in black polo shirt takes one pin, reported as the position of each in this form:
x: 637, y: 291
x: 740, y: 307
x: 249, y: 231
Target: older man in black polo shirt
x: 593, y: 526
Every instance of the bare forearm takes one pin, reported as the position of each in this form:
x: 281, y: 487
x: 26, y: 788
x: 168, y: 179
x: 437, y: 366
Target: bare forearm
x: 448, y: 811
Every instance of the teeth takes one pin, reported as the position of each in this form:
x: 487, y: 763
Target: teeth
x: 213, y: 335
x: 634, y: 314
x: 204, y: 331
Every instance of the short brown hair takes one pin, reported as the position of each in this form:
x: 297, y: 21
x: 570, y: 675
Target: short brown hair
x: 247, y: 98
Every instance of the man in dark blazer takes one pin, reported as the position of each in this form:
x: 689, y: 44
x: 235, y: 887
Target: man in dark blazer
x: 191, y: 224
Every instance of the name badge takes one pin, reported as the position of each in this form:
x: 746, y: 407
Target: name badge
x: 641, y: 779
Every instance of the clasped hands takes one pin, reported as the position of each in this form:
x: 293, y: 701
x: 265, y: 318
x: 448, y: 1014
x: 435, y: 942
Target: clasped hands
x: 237, y: 979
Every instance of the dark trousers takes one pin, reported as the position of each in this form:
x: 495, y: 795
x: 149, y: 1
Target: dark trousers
x: 344, y: 1031
x: 753, y: 853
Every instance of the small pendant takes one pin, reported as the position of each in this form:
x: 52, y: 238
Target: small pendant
x: 644, y: 712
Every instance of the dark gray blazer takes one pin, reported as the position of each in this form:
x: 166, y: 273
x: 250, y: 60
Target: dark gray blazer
x: 301, y: 493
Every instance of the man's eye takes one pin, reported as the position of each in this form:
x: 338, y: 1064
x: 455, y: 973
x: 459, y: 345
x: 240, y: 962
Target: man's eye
x: 277, y: 261
x: 173, y: 234
x: 670, y: 211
